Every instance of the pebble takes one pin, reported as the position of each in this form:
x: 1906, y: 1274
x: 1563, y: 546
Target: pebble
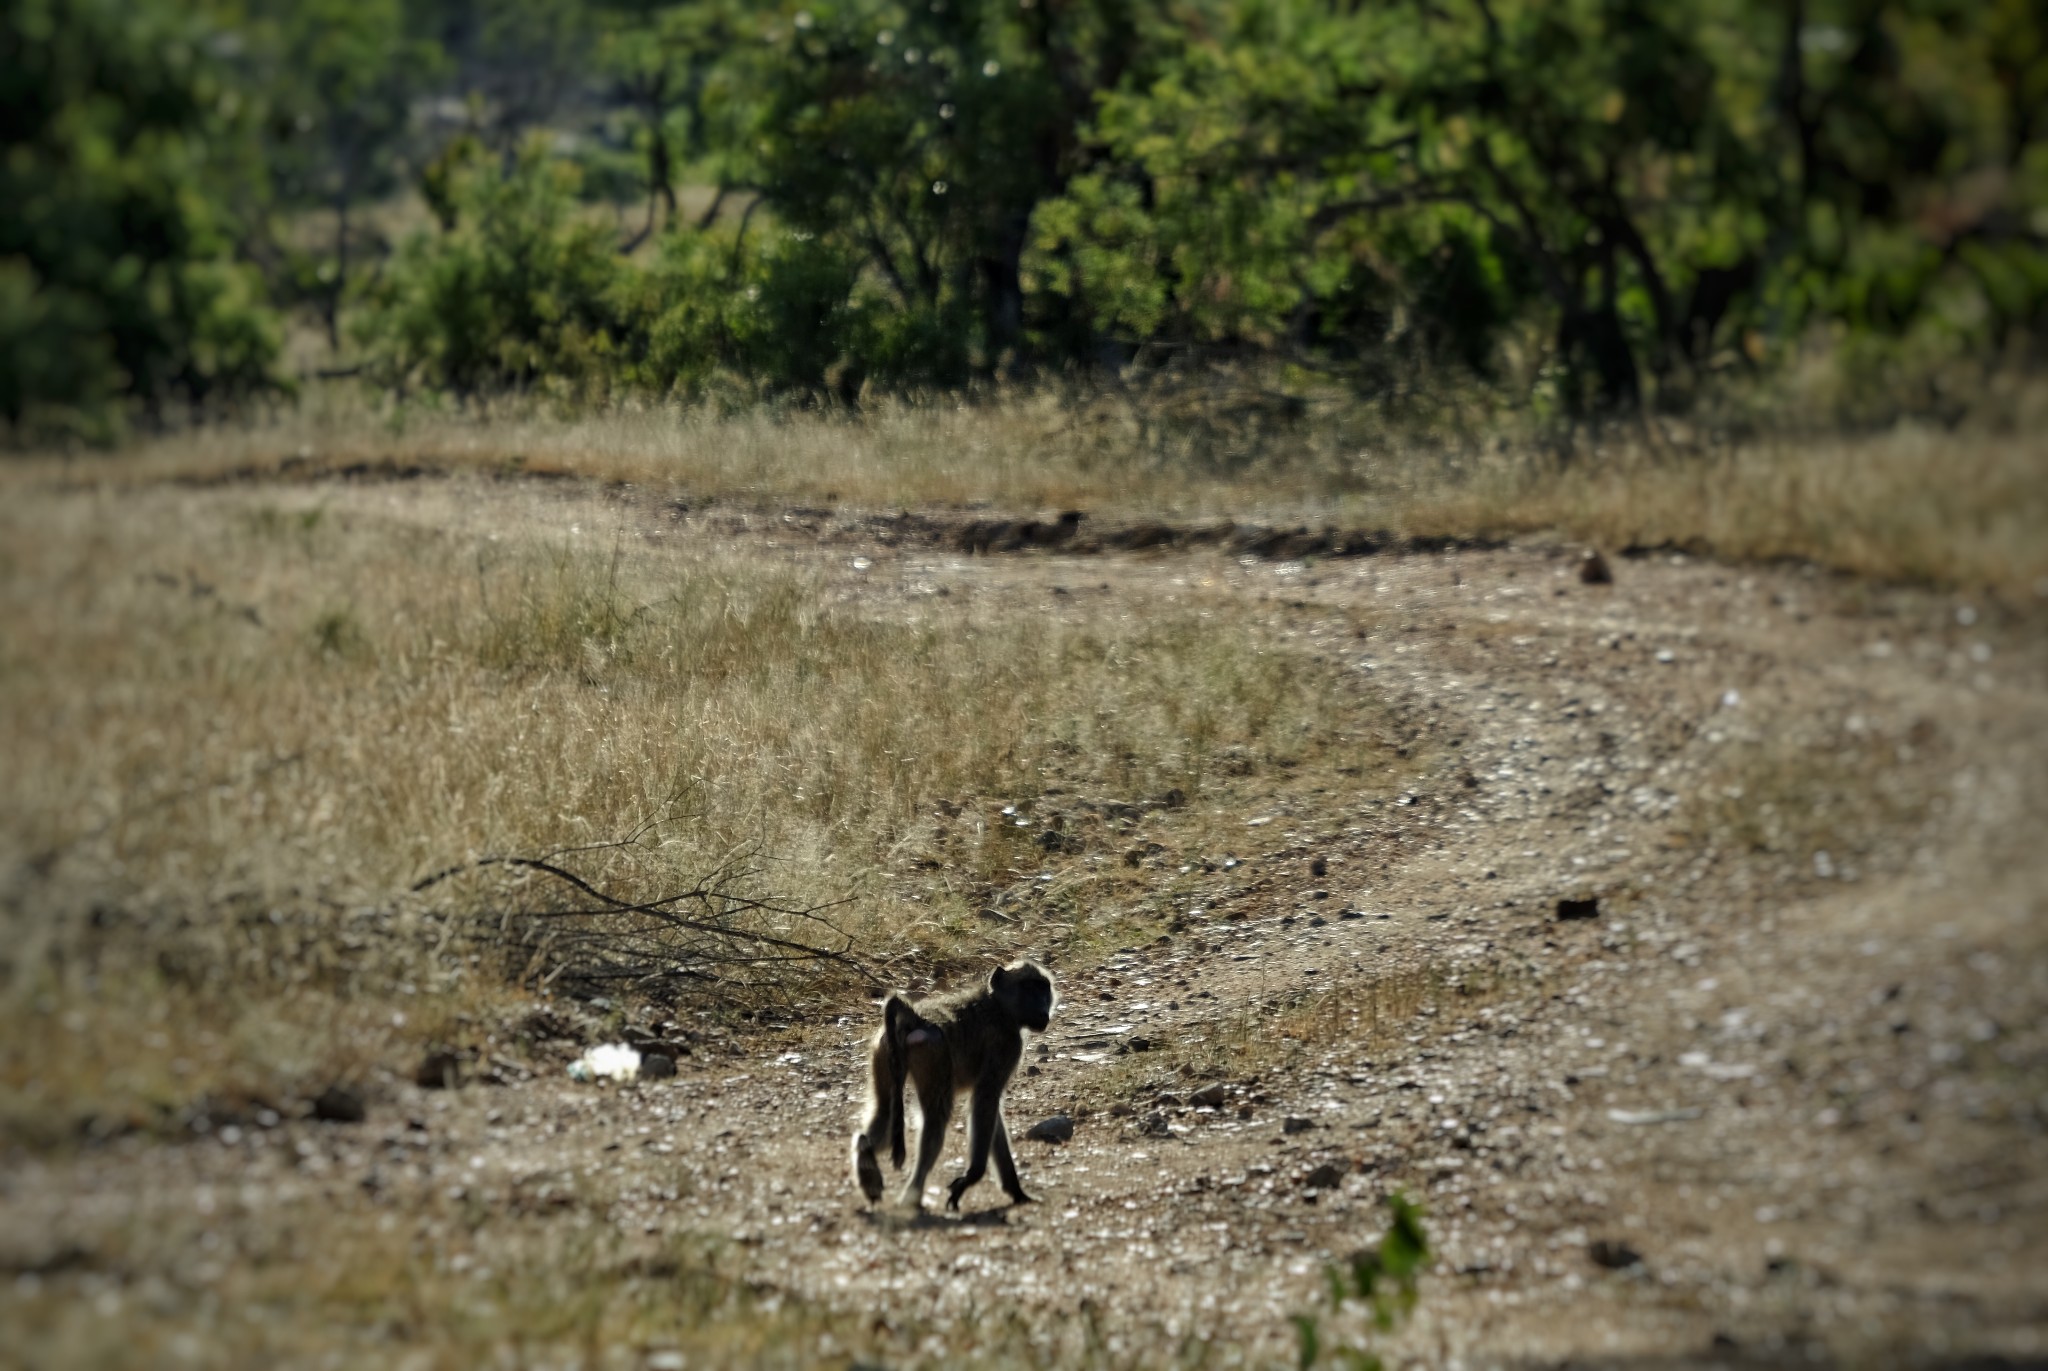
x: 1613, y: 1254
x: 339, y: 1104
x: 438, y: 1071
x: 1058, y: 1129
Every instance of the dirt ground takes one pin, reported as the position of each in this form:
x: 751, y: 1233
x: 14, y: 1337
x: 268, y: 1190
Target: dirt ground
x: 1696, y: 994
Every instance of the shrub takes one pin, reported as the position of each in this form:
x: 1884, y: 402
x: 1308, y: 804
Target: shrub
x: 783, y: 316
x: 520, y: 291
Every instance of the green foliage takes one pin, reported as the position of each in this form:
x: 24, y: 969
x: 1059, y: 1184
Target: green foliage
x: 1643, y: 180
x: 342, y: 76
x: 783, y: 315
x: 117, y: 271
x: 922, y: 138
x: 1382, y: 1279
x: 660, y: 62
x: 521, y: 293
x: 520, y: 63
x: 1580, y: 206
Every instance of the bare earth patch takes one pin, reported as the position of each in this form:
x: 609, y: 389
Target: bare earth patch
x: 1678, y: 944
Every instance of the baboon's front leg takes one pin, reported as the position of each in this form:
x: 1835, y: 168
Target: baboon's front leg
x: 937, y: 1103
x: 1006, y: 1165
x: 982, y: 1126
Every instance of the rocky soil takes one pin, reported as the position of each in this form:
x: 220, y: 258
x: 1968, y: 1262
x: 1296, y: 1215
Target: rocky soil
x: 1696, y: 993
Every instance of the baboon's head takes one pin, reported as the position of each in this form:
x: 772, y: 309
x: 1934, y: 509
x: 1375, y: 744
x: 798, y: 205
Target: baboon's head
x: 1025, y: 989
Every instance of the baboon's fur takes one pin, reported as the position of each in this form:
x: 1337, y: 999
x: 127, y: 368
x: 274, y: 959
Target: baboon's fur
x: 969, y: 1040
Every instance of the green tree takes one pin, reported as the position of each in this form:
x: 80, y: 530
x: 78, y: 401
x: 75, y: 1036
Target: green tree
x: 520, y: 294
x: 347, y: 74
x: 118, y: 275
x: 522, y: 63
x: 1645, y: 178
x: 923, y: 137
x: 661, y: 62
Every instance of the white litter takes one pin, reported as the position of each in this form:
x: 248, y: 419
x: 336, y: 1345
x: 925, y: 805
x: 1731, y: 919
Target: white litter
x: 606, y: 1062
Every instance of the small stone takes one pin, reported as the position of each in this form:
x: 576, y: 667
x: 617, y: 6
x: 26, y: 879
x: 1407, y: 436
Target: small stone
x: 1166, y: 1099
x: 1613, y: 1254
x: 1586, y: 908
x: 657, y: 1066
x: 1210, y: 1095
x: 1685, y: 1114
x: 1120, y: 1110
x: 438, y: 1071
x: 1593, y: 569
x: 1155, y: 1125
x: 1294, y: 1123
x: 1319, y: 867
x: 1328, y: 1176
x: 339, y: 1104
x: 1057, y: 1129
x: 1141, y: 1044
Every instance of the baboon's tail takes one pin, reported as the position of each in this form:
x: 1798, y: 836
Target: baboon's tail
x: 898, y: 1018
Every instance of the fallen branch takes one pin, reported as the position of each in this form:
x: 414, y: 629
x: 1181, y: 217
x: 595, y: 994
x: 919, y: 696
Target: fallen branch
x: 706, y: 933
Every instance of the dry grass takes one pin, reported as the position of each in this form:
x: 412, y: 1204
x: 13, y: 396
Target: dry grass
x: 246, y: 720
x: 440, y: 1283
x: 1913, y: 506
x: 1958, y: 508
x: 1293, y: 1031
x: 247, y: 714
x: 481, y: 1280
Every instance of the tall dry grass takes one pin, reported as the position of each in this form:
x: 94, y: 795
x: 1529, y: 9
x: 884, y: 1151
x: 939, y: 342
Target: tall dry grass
x: 1952, y: 507
x: 1914, y: 505
x: 244, y: 721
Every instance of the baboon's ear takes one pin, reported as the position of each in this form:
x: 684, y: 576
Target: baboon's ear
x: 995, y: 980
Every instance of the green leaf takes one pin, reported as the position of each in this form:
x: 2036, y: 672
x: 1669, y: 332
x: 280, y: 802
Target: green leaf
x: 1308, y: 1340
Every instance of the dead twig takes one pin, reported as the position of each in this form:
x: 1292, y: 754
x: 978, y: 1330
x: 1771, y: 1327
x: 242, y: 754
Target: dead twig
x: 709, y: 932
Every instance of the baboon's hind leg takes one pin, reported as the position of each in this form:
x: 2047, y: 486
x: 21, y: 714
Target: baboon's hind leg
x: 885, y: 1102
x: 936, y: 1101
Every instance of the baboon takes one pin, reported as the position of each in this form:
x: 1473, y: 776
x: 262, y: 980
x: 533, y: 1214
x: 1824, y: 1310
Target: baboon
x: 968, y: 1040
